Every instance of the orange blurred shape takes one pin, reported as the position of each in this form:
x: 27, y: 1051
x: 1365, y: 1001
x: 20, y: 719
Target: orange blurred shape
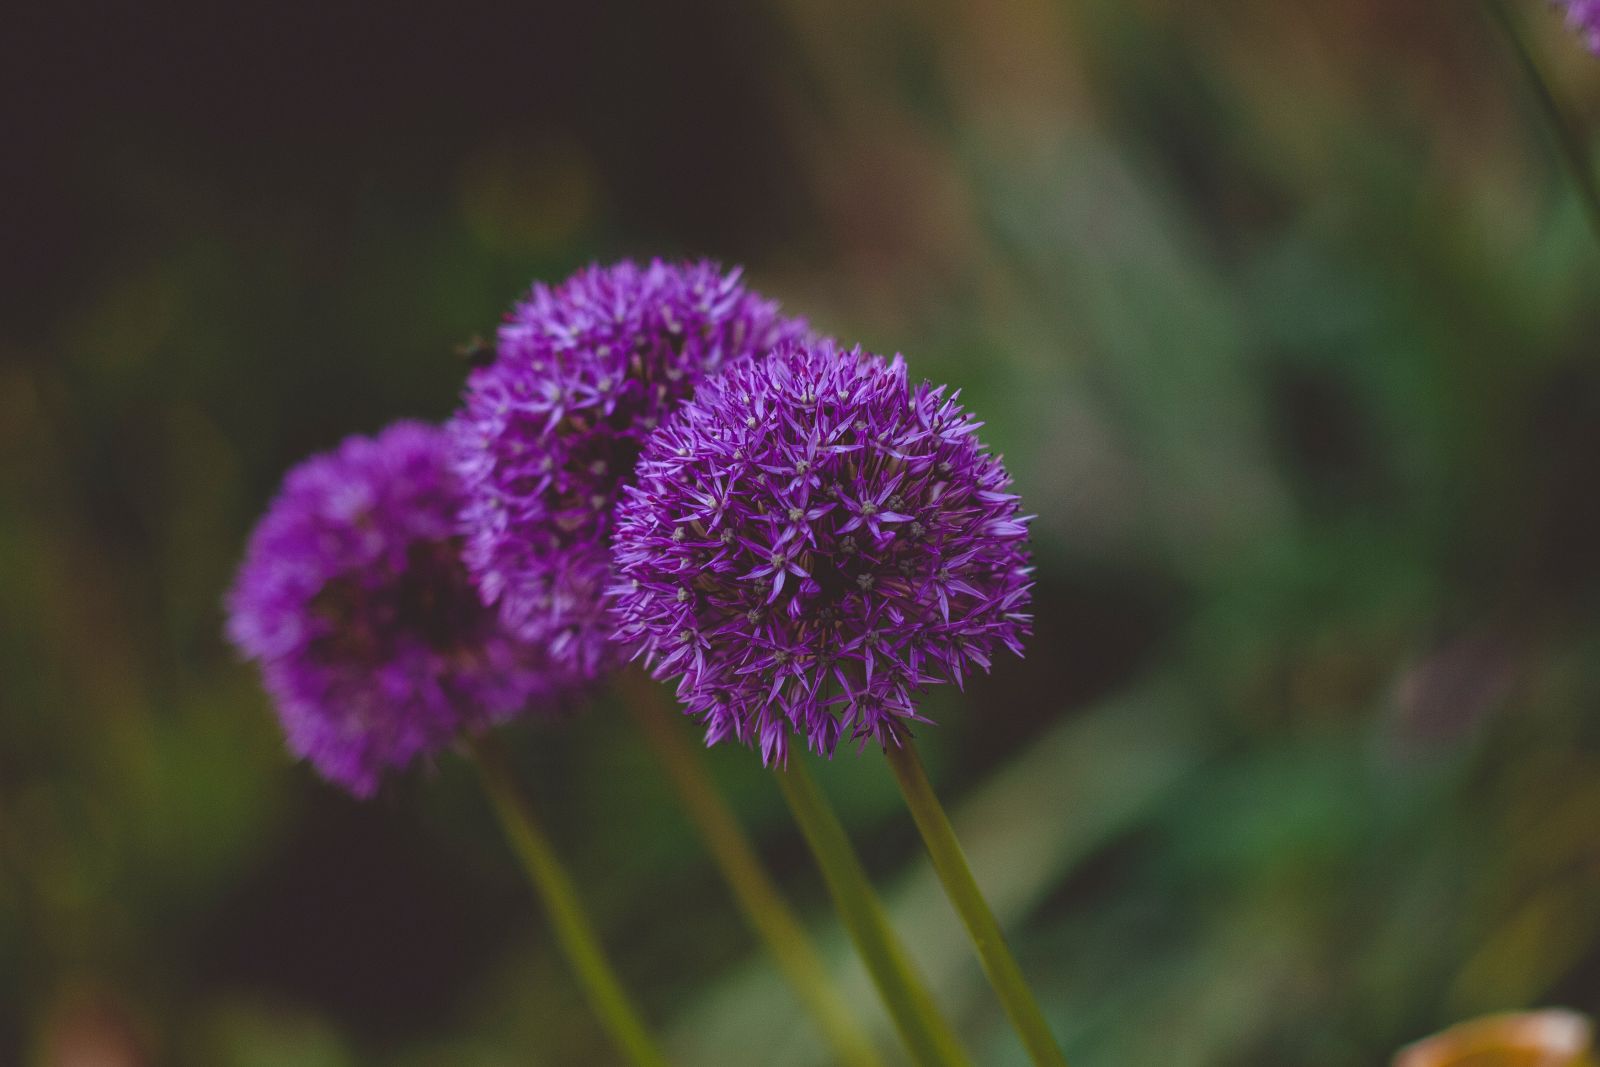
x: 89, y: 1029
x: 1551, y: 1038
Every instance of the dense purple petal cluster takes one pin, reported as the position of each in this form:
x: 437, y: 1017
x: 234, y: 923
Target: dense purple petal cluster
x: 1584, y: 17
x: 353, y: 599
x: 550, y: 430
x: 812, y: 539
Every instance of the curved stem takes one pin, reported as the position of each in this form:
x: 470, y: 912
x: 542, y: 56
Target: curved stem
x: 950, y: 863
x: 923, y: 1029
x: 764, y: 907
x: 572, y: 927
x: 1570, y: 144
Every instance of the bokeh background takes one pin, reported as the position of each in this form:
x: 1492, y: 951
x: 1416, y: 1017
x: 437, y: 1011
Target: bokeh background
x: 1283, y: 315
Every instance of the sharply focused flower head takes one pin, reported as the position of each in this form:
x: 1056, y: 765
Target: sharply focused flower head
x: 809, y: 541
x: 1584, y: 17
x: 353, y: 600
x: 551, y: 429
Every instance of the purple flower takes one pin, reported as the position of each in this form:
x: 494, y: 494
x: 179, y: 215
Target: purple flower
x: 554, y: 426
x: 353, y: 600
x: 1584, y: 17
x: 810, y: 540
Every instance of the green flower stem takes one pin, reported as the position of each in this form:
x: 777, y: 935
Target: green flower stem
x: 768, y: 914
x: 573, y: 929
x: 1571, y: 145
x: 925, y: 1032
x: 950, y: 863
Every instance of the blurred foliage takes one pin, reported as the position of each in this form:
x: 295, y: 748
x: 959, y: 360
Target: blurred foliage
x: 1284, y: 317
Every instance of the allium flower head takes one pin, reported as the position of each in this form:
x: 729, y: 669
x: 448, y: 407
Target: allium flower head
x: 551, y: 429
x: 353, y: 600
x: 1584, y: 17
x: 812, y: 539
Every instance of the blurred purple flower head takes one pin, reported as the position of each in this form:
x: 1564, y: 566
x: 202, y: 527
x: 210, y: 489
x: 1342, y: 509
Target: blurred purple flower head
x: 552, y: 428
x: 1584, y: 17
x: 353, y: 600
x: 809, y: 541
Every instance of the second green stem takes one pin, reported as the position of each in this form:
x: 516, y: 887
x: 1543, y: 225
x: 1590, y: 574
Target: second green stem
x: 763, y: 905
x: 571, y: 924
x: 924, y: 1030
x: 950, y: 863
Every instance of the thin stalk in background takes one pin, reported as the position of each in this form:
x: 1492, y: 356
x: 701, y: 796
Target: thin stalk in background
x: 950, y: 863
x: 1571, y: 145
x: 573, y: 929
x: 764, y: 907
x: 926, y: 1033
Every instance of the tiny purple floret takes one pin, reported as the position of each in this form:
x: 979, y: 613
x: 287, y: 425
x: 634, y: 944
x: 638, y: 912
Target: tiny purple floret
x: 353, y: 600
x: 810, y: 541
x: 552, y: 428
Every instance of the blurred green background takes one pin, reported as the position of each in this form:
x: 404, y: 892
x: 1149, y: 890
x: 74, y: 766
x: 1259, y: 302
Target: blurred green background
x: 1283, y: 315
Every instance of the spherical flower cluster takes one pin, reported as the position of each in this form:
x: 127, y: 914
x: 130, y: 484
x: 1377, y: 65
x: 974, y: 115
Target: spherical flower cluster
x: 353, y: 600
x: 551, y: 429
x: 1584, y: 17
x: 809, y: 541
